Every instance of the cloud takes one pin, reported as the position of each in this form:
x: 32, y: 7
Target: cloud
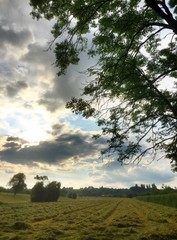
x: 16, y: 139
x: 13, y: 88
x: 12, y: 145
x: 25, y: 59
x: 15, y: 38
x: 112, y: 173
x: 37, y: 55
x: 58, y: 128
x: 52, y: 104
x: 71, y: 145
x: 62, y: 90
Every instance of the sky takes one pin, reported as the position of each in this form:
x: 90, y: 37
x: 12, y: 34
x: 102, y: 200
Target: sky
x: 38, y: 135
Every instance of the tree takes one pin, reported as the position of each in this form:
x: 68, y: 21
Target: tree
x: 43, y: 178
x: 72, y: 195
x: 38, y: 192
x: 53, y: 191
x: 18, y: 182
x: 135, y: 44
x: 48, y: 193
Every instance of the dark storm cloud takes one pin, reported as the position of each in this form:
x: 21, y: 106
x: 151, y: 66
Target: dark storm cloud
x: 16, y: 38
x: 13, y: 88
x: 65, y: 146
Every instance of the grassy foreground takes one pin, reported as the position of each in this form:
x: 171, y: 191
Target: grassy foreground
x: 87, y: 219
x: 10, y: 198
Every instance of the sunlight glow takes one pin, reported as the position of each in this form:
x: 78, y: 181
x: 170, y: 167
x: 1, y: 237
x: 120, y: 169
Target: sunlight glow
x: 34, y: 134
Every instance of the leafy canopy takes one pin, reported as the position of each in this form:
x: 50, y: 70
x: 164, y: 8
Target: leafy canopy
x: 41, y: 178
x: 129, y: 92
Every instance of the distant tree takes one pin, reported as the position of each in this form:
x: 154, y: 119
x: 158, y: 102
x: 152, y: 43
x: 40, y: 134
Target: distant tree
x: 38, y: 192
x: 63, y: 192
x: 167, y: 189
x: 154, y: 186
x: 52, y: 191
x: 2, y: 189
x: 43, y: 178
x: 72, y: 195
x: 48, y: 193
x: 17, y: 182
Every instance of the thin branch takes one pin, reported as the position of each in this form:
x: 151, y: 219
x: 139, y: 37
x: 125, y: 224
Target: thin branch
x: 89, y: 17
x: 164, y: 74
x: 158, y: 92
x: 153, y: 34
x: 163, y: 25
x: 140, y: 121
x: 146, y: 133
x: 140, y: 156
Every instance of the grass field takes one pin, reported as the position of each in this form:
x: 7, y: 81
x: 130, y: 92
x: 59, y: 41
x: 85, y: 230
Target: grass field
x: 10, y: 198
x: 169, y: 199
x: 98, y: 218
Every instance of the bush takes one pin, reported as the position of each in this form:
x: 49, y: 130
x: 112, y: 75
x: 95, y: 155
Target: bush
x: 48, y: 193
x: 52, y: 192
x: 38, y: 192
x: 72, y: 195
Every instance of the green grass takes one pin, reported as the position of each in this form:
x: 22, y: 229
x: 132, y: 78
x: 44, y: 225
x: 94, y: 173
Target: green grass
x: 10, y: 198
x: 98, y: 218
x: 164, y: 199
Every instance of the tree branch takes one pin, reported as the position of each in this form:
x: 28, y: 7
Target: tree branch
x: 158, y: 92
x: 164, y: 74
x: 153, y: 4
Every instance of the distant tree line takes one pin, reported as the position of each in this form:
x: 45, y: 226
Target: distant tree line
x: 45, y: 191
x: 142, y: 189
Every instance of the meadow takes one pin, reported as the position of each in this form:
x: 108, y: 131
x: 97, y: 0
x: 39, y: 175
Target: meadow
x: 87, y: 218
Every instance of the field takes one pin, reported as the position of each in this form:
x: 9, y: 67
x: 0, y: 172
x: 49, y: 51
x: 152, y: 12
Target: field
x: 98, y: 218
x: 10, y: 198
